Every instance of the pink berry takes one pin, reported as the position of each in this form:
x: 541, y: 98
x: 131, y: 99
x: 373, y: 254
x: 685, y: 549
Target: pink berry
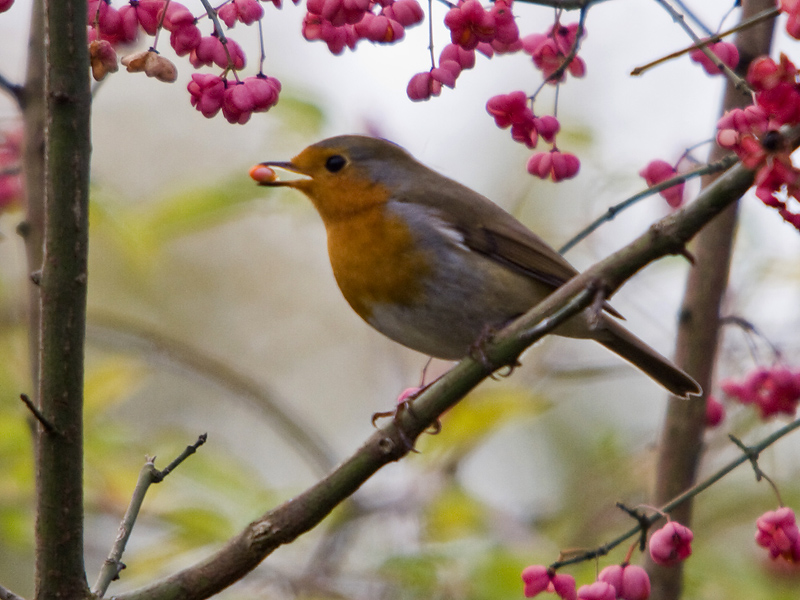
x: 777, y: 531
x: 724, y: 51
x: 206, y: 93
x: 547, y: 126
x: 469, y: 23
x: 657, y: 171
x: 446, y: 73
x: 715, y: 412
x: 185, y: 39
x: 405, y: 12
x: 538, y: 578
x: 630, y: 581
x: 671, y: 544
x: 777, y: 390
x: 422, y: 86
x: 599, y: 590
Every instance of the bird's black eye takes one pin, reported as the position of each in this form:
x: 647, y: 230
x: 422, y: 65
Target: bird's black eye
x: 335, y: 163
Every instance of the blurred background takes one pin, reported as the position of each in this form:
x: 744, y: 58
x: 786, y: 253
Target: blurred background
x: 212, y: 308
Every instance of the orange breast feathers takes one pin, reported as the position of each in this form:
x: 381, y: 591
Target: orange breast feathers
x: 373, y: 252
x: 375, y: 260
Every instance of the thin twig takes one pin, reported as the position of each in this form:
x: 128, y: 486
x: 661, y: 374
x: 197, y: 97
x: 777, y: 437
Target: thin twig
x: 212, y: 14
x: 37, y: 413
x: 748, y: 327
x: 613, y: 211
x: 187, y: 452
x: 682, y: 6
x: 14, y: 89
x: 10, y: 171
x: 739, y: 83
x: 688, y: 494
x: 752, y: 456
x: 6, y: 594
x: 762, y: 16
x: 430, y: 34
x: 148, y: 475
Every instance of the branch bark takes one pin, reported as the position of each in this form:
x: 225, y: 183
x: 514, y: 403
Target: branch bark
x: 59, y: 454
x: 698, y: 330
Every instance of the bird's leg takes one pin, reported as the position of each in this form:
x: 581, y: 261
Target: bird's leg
x: 404, y: 402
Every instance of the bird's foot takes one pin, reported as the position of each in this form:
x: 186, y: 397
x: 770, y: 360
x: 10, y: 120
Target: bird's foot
x: 477, y: 351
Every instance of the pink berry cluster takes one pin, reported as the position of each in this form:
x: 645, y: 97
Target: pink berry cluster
x: 342, y: 23
x: 513, y: 110
x: 472, y: 27
x: 452, y: 60
x: 237, y: 98
x: 752, y: 133
x: 668, y: 546
x: 10, y: 177
x: 494, y: 31
x: 724, y: 51
x: 777, y: 531
x: 550, y: 50
x: 659, y: 170
x: 772, y: 391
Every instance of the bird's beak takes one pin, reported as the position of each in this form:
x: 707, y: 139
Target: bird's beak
x: 264, y: 174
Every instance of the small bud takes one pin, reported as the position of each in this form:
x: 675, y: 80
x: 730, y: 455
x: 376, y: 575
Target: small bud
x: 103, y: 59
x: 152, y: 64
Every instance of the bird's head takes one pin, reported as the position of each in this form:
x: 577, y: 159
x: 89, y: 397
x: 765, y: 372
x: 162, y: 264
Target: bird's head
x: 343, y: 174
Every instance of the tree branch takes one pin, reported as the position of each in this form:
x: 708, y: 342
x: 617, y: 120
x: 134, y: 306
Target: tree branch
x: 298, y: 515
x: 59, y: 457
x: 613, y: 211
x: 148, y: 475
x: 681, y: 443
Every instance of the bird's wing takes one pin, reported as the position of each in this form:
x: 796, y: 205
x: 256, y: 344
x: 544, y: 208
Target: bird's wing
x: 488, y: 229
x: 522, y: 251
x: 491, y: 231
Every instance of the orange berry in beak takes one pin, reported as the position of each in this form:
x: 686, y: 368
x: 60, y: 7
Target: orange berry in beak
x: 263, y: 174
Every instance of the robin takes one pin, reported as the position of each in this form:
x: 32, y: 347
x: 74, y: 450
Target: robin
x: 434, y: 265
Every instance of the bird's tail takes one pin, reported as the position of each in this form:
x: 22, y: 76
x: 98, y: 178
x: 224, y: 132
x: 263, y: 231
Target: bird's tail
x: 623, y: 343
